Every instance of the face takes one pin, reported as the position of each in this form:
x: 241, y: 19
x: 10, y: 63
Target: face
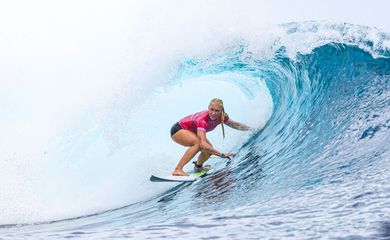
x: 215, y: 110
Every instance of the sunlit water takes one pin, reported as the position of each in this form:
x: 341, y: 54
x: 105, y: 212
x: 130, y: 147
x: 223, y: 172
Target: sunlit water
x: 317, y: 167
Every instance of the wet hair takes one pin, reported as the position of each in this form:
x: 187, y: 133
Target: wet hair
x: 220, y: 102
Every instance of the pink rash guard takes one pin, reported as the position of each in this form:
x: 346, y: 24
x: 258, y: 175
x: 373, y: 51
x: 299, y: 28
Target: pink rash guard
x: 200, y: 121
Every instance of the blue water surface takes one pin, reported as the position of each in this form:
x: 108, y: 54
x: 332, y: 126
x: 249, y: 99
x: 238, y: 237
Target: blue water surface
x: 319, y: 169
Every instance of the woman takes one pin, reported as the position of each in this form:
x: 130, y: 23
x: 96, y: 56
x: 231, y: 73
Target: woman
x: 191, y: 130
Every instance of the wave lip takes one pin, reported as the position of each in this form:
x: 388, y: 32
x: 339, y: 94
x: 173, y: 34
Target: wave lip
x: 325, y: 142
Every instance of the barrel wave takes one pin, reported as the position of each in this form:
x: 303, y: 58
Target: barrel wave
x: 318, y: 165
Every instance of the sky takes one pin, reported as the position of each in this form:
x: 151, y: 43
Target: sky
x: 370, y: 13
x: 65, y: 63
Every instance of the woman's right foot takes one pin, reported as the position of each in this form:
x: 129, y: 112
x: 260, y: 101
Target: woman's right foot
x: 179, y: 172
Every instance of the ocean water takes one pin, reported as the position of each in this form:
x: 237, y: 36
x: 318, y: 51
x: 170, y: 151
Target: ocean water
x: 81, y: 136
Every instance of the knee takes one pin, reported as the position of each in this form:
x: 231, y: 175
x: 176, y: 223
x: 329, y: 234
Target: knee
x: 196, y: 145
x: 204, y: 151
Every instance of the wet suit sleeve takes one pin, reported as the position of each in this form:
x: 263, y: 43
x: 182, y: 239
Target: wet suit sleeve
x: 201, y: 125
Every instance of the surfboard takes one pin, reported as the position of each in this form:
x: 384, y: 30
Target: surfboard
x: 169, y: 178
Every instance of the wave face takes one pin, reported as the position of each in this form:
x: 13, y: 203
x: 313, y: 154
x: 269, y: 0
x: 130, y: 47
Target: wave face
x: 318, y: 165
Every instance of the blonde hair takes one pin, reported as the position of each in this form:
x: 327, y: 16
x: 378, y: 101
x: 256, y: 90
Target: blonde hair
x: 220, y: 102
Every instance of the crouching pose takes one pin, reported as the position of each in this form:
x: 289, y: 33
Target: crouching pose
x: 191, y: 130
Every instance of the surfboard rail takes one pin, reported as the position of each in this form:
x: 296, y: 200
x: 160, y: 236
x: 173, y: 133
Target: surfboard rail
x: 170, y: 178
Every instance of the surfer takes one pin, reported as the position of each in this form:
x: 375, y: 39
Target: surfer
x: 191, y: 130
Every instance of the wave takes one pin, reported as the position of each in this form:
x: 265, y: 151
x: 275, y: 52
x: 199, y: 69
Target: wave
x: 317, y: 91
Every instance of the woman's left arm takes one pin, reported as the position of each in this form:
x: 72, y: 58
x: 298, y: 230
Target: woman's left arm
x: 239, y: 126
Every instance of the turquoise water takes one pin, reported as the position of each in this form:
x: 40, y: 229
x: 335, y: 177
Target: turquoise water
x: 317, y: 167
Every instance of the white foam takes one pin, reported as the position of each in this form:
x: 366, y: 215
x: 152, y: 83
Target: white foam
x: 82, y: 126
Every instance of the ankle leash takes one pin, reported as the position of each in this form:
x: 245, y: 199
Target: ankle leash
x: 197, y: 165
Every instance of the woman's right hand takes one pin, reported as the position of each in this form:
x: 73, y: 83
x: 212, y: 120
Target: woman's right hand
x: 205, y: 145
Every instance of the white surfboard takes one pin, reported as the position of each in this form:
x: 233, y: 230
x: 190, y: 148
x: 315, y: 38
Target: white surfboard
x: 170, y: 178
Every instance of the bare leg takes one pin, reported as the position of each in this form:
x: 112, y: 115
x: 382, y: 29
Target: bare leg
x: 188, y: 155
x: 203, y: 156
x: 187, y: 139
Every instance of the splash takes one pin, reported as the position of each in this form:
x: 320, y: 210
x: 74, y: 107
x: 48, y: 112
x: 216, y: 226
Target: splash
x: 81, y: 100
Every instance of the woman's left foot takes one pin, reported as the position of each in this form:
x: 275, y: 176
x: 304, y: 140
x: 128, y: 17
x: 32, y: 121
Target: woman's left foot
x: 203, y: 168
